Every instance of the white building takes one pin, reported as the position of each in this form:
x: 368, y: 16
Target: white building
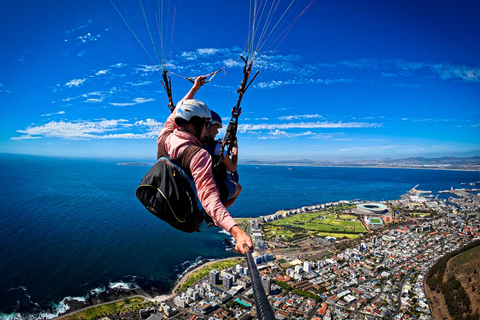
x: 307, y: 266
x: 298, y: 269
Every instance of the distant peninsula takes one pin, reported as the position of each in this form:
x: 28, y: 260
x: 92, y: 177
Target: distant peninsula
x: 134, y: 164
x: 442, y: 163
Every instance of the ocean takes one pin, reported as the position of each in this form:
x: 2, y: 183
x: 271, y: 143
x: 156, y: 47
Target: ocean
x: 71, y: 229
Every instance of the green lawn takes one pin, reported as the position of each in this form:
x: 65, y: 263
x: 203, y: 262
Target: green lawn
x: 313, y: 223
x: 203, y: 271
x: 348, y: 217
x: 420, y: 214
x: 127, y: 305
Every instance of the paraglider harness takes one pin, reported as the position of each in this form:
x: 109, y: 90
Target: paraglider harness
x: 168, y: 190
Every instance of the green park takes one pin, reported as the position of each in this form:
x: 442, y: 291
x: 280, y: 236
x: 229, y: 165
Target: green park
x: 320, y: 224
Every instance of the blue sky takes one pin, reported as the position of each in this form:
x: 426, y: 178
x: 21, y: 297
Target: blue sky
x: 351, y: 80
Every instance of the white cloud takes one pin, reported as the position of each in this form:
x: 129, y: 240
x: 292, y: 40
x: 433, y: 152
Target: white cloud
x: 285, y: 63
x: 301, y: 116
x: 109, y: 69
x: 88, y: 38
x: 447, y: 71
x: 118, y: 65
x: 135, y: 101
x: 278, y: 134
x: 87, y: 130
x: 80, y: 27
x: 3, y: 90
x: 151, y: 125
x: 53, y: 113
x: 139, y: 84
x: 207, y: 51
x: 279, y: 83
x: 75, y: 82
x: 94, y: 100
x: 306, y: 125
x: 395, y: 67
x: 71, y: 130
x: 149, y: 68
x: 143, y: 100
x: 202, y: 52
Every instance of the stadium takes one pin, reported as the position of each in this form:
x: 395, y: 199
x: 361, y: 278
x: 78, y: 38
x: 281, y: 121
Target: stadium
x: 375, y: 214
x: 371, y: 209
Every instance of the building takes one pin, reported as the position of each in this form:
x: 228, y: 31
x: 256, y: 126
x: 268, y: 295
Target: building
x: 307, y: 266
x: 167, y: 310
x: 371, y: 209
x: 180, y: 302
x: 239, y: 268
x: 298, y: 269
x: 227, y: 281
x: 214, y: 277
x: 267, y: 284
x: 205, y: 308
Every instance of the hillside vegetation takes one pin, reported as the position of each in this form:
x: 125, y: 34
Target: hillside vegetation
x: 454, y: 284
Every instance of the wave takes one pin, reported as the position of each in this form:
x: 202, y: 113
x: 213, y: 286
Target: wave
x: 54, y: 309
x: 187, y: 266
x: 229, y: 242
x: 57, y: 310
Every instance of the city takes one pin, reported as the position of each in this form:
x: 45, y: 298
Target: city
x: 376, y: 274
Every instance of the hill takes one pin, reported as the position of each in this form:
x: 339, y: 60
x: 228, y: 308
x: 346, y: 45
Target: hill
x: 458, y: 296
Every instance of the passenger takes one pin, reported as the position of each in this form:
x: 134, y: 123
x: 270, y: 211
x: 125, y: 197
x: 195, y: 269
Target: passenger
x: 189, y: 123
x: 225, y: 172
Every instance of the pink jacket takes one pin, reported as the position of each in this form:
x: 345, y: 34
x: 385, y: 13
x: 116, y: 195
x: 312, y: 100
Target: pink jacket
x: 201, y: 168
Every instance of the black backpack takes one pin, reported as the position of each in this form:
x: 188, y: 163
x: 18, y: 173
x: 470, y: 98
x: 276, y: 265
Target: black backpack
x: 168, y: 190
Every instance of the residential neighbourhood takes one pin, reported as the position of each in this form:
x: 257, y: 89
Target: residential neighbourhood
x: 379, y: 275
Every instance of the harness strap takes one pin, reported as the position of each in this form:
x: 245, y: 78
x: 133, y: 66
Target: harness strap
x: 161, y: 152
x: 183, y: 160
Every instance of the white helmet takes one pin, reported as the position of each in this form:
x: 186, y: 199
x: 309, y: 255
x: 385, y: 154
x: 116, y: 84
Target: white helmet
x: 187, y: 109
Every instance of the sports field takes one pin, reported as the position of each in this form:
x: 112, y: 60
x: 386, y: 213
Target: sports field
x: 375, y: 220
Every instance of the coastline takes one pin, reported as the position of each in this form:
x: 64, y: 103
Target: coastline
x: 184, y: 278
x: 355, y: 166
x: 380, y: 186
x: 140, y: 293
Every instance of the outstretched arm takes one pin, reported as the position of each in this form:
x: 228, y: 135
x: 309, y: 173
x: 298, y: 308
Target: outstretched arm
x: 199, y: 81
x: 241, y: 240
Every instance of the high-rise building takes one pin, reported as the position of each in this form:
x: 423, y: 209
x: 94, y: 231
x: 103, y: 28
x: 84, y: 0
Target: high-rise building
x: 298, y: 269
x: 239, y: 268
x: 227, y: 281
x: 307, y: 266
x: 267, y: 284
x: 214, y: 276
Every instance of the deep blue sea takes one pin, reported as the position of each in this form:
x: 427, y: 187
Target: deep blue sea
x: 71, y: 228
